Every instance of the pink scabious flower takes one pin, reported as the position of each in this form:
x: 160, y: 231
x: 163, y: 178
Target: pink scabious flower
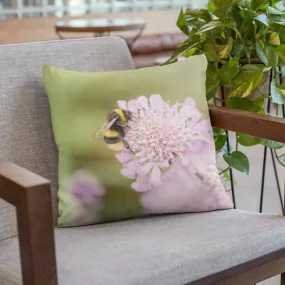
x: 86, y: 189
x: 158, y: 135
x: 181, y: 192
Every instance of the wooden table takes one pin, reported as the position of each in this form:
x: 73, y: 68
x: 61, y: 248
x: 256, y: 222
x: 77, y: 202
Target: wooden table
x: 101, y: 27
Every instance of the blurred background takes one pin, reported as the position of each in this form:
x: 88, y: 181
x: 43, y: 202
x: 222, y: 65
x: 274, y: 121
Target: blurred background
x: 23, y: 21
x: 41, y: 8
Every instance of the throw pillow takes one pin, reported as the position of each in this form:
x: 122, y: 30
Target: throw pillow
x: 133, y: 142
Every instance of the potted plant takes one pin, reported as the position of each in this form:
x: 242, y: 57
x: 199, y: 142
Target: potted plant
x: 243, y: 41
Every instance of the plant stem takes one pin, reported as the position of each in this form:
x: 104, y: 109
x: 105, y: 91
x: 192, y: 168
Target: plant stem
x: 236, y: 142
x: 277, y: 78
x: 278, y: 158
x: 224, y: 171
x: 249, y: 57
x: 261, y: 93
x: 281, y: 155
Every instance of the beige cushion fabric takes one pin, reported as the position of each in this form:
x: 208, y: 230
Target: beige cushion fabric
x: 25, y: 126
x: 161, y: 250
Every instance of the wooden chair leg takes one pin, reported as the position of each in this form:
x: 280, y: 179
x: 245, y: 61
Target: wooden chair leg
x: 282, y: 279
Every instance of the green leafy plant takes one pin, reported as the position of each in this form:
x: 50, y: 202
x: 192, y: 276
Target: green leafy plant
x: 243, y: 41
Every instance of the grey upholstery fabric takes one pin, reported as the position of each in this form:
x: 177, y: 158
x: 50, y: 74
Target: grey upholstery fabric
x: 25, y: 125
x: 161, y: 250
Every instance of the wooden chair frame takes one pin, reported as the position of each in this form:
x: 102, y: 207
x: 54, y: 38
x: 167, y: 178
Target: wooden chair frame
x: 30, y: 194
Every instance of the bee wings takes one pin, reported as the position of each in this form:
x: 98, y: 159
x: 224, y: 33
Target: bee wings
x: 105, y: 126
x: 109, y: 124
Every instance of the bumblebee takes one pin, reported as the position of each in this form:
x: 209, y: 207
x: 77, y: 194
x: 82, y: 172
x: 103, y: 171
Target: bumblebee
x: 114, y: 129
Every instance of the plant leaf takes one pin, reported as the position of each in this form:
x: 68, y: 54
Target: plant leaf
x: 221, y: 3
x: 238, y: 161
x: 274, y: 11
x: 183, y: 48
x: 283, y: 70
x: 256, y: 3
x: 220, y: 141
x: 224, y: 8
x: 216, y: 24
x: 228, y: 48
x: 262, y: 7
x: 260, y: 49
x: 281, y: 52
x: 242, y: 104
x: 211, y: 52
x: 246, y: 140
x: 277, y: 92
x: 198, y: 15
x: 238, y: 48
x: 280, y: 6
x: 211, y: 8
x: 217, y: 131
x: 212, y: 81
x: 247, y: 13
x: 182, y: 24
x: 267, y: 54
x: 189, y: 52
x: 279, y: 20
x: 210, y: 26
x: 274, y: 39
x: 247, y: 80
x: 272, y: 55
x: 229, y: 70
x: 272, y: 144
x: 260, y: 103
x: 263, y: 19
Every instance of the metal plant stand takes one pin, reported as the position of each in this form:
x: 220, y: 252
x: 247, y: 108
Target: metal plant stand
x: 272, y: 156
x: 229, y: 150
x: 265, y: 153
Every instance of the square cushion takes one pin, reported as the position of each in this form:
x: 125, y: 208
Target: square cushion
x: 161, y: 250
x: 133, y: 142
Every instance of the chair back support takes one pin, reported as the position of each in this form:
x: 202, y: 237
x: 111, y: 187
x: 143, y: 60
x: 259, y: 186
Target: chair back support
x: 25, y: 126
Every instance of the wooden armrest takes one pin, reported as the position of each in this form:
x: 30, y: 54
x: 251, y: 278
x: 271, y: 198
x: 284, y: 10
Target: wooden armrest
x: 262, y: 126
x: 31, y: 196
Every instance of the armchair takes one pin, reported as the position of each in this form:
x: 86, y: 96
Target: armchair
x: 223, y: 247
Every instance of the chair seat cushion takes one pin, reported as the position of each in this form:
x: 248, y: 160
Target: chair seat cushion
x: 173, y: 249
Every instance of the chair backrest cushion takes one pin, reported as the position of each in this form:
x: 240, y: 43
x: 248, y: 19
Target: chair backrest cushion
x: 25, y: 127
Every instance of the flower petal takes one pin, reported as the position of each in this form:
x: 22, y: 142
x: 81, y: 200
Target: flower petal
x: 164, y: 164
x: 145, y: 169
x: 175, y: 106
x: 140, y: 187
x: 205, y: 126
x: 130, y: 170
x: 122, y: 104
x: 132, y: 106
x: 143, y: 102
x: 156, y: 102
x: 86, y: 188
x: 195, y: 117
x: 124, y: 157
x: 198, y: 162
x: 190, y: 103
x: 144, y: 179
x: 185, y: 111
x: 155, y: 176
x: 185, y: 160
x: 128, y: 173
x: 203, y: 137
